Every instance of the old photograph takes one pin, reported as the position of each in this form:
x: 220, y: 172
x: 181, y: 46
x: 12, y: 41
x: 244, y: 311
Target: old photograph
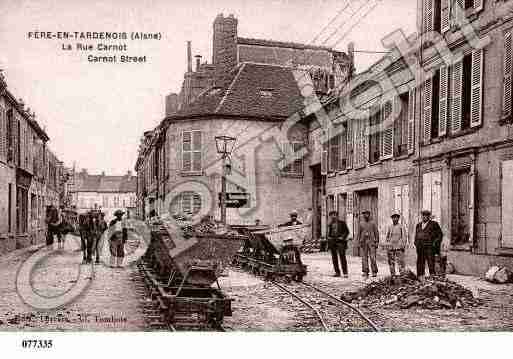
x: 255, y: 166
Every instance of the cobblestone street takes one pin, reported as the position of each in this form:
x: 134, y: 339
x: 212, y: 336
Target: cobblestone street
x: 108, y: 304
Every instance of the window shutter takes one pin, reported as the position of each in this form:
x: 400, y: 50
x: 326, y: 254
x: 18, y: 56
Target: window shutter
x: 457, y: 89
x: 444, y: 88
x: 476, y: 107
x: 411, y: 121
x: 396, y: 200
x: 428, y: 15
x: 349, y: 148
x: 387, y: 138
x: 196, y: 140
x: 334, y: 153
x: 324, y: 162
x: 507, y: 70
x: 343, y: 149
x: 365, y: 140
x: 478, y: 5
x: 445, y: 15
x: 426, y: 113
x: 196, y: 161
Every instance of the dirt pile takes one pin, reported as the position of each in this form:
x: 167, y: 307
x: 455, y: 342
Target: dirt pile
x: 405, y: 291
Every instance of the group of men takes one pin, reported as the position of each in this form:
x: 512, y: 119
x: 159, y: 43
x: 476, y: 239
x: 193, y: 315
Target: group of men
x: 428, y: 239
x: 92, y: 226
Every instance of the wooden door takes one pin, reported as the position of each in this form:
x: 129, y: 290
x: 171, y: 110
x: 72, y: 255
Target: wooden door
x: 460, y: 219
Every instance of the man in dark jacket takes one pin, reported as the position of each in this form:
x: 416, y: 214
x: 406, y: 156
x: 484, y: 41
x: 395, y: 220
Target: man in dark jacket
x: 428, y: 237
x: 337, y: 242
x: 368, y: 240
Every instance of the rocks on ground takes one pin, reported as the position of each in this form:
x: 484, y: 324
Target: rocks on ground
x: 406, y: 291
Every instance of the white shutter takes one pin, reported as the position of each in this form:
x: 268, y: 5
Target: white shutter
x: 387, y: 137
x: 476, y: 107
x: 436, y: 196
x: 478, y: 5
x: 405, y: 205
x: 444, y: 88
x: 507, y: 71
x: 297, y: 167
x: 186, y: 151
x: 334, y: 153
x: 324, y: 163
x: 457, y: 98
x: 426, y: 109
x: 445, y: 15
x: 365, y: 141
x: 411, y: 121
x: 507, y: 203
x: 349, y: 146
x: 428, y: 15
x: 396, y: 194
x: 426, y: 191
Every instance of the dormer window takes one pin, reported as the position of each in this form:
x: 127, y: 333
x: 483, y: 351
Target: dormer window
x: 266, y: 93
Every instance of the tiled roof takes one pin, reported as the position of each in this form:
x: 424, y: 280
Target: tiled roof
x: 100, y: 183
x: 291, y: 45
x: 255, y: 90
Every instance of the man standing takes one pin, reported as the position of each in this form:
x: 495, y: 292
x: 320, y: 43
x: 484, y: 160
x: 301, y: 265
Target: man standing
x: 117, y: 239
x: 368, y: 239
x: 396, y: 242
x: 337, y: 243
x: 100, y: 228
x: 428, y: 236
x: 293, y: 220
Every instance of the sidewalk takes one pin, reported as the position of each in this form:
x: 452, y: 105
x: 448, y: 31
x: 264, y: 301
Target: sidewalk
x: 109, y: 303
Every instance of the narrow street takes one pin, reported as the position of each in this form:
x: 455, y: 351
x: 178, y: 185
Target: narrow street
x: 111, y: 303
x: 108, y: 304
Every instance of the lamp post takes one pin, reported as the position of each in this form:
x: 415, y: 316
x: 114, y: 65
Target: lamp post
x: 224, y: 146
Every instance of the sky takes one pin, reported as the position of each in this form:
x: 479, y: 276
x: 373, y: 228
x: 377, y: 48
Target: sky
x: 95, y: 113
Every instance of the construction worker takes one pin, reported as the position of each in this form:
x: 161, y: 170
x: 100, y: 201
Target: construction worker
x: 117, y: 239
x: 396, y: 241
x: 337, y: 243
x: 368, y: 240
x: 428, y: 238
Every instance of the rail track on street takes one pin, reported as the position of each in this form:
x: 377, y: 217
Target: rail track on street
x: 330, y: 312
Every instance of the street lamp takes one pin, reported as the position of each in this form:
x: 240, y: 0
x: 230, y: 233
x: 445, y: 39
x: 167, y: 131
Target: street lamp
x: 224, y: 146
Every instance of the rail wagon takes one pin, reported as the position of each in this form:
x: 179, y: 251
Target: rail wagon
x: 272, y: 252
x: 181, y: 271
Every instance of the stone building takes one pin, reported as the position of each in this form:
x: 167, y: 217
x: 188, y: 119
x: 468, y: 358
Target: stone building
x: 108, y: 193
x: 465, y: 162
x: 30, y: 174
x: 250, y: 96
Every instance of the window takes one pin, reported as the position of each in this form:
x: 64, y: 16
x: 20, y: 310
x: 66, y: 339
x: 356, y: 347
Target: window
x: 452, y: 99
x: 438, y: 14
x: 187, y: 202
x: 295, y: 168
x: 360, y: 142
x: 401, y: 126
x: 10, y: 135
x: 338, y: 149
x: 191, y: 151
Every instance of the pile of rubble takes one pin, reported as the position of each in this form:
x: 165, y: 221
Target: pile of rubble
x: 405, y: 291
x: 207, y: 225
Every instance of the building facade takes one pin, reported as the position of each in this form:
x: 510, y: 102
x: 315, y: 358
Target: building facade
x: 106, y: 193
x: 250, y: 95
x: 465, y: 162
x: 31, y: 176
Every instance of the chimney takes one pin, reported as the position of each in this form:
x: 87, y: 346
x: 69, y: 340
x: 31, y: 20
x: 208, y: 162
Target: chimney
x: 224, y: 49
x: 189, y: 57
x: 198, y: 62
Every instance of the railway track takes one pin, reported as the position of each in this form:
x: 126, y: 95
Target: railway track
x: 329, y: 312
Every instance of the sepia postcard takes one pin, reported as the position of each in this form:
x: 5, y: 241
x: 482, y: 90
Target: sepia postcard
x: 255, y: 166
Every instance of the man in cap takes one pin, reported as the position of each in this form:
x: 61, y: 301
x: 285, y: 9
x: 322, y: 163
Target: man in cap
x: 428, y: 237
x: 117, y: 239
x: 368, y: 240
x: 337, y: 243
x: 293, y: 220
x: 395, y: 242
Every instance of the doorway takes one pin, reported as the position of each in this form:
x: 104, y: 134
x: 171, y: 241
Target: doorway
x: 364, y: 200
x: 460, y: 219
x: 317, y: 201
